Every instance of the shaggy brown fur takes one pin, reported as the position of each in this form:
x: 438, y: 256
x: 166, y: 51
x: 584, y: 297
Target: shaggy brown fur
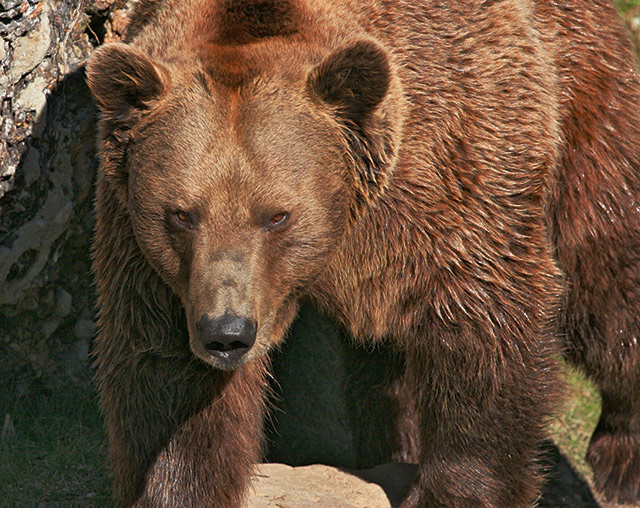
x: 456, y: 179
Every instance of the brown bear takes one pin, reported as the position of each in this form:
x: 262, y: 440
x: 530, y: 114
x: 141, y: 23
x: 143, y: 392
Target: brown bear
x: 458, y: 181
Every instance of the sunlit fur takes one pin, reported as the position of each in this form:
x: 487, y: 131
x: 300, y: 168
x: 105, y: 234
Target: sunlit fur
x: 462, y: 184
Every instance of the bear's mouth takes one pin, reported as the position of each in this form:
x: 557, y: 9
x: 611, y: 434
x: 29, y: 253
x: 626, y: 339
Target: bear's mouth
x: 228, y: 360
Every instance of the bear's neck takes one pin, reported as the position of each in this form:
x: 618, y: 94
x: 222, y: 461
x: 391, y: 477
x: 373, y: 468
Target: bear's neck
x: 379, y: 276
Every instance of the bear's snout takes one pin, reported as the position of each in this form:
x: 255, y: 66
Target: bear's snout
x: 227, y: 337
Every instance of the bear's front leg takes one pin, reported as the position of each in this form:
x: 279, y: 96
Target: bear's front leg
x: 483, y: 404
x: 182, y: 435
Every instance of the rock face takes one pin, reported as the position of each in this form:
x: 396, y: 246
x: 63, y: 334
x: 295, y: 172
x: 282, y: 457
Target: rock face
x: 47, y: 166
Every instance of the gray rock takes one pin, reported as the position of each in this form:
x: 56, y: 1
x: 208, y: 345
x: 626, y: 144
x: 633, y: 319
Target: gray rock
x: 34, y: 239
x: 50, y: 326
x: 4, y: 83
x: 47, y: 167
x: 31, y: 166
x: 63, y: 303
x: 84, y: 329
x: 5, y: 5
x: 33, y: 97
x: 81, y: 350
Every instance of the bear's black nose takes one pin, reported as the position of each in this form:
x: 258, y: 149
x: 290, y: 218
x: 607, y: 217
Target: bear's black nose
x: 227, y: 337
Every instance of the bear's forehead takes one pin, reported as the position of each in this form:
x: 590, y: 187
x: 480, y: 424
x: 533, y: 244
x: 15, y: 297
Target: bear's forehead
x: 254, y: 131
x: 225, y: 114
x: 243, y: 68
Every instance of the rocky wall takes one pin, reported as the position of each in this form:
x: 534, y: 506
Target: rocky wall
x: 47, y: 167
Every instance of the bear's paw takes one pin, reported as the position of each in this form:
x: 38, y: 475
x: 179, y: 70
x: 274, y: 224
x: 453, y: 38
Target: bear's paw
x: 614, y: 458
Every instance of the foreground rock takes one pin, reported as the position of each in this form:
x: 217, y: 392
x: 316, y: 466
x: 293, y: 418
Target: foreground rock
x: 318, y: 486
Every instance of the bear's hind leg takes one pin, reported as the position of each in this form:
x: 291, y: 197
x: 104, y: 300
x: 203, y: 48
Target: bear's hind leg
x: 601, y: 323
x: 594, y: 218
x: 614, y: 451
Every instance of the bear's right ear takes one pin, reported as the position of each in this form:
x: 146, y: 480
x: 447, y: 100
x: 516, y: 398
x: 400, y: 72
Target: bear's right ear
x: 124, y: 82
x: 122, y: 79
x: 359, y: 84
x: 355, y: 79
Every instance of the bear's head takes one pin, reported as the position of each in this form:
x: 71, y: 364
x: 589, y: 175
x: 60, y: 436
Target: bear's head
x: 242, y: 173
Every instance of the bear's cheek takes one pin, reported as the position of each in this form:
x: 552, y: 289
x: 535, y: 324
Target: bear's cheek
x: 164, y: 252
x: 287, y: 265
x: 272, y: 332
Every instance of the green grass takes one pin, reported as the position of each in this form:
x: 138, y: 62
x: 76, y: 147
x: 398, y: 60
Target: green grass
x: 56, y: 459
x: 624, y: 5
x: 573, y: 427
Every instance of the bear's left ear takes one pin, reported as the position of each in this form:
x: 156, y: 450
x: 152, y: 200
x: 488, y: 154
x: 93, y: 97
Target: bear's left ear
x: 354, y: 79
x: 358, y: 83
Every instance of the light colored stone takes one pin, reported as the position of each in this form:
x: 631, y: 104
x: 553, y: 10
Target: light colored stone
x: 81, y: 350
x: 5, y: 5
x: 63, y: 303
x: 4, y: 84
x: 63, y: 216
x: 50, y: 326
x: 317, y: 486
x: 33, y: 97
x: 30, y: 50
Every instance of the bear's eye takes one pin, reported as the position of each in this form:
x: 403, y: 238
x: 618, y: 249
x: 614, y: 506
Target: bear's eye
x: 278, y: 221
x: 183, y: 219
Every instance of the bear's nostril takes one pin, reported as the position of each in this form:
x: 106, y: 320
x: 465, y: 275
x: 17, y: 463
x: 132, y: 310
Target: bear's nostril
x: 227, y: 334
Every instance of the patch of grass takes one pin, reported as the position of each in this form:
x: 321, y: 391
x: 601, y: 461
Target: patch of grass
x: 572, y: 429
x: 625, y: 5
x: 56, y: 459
